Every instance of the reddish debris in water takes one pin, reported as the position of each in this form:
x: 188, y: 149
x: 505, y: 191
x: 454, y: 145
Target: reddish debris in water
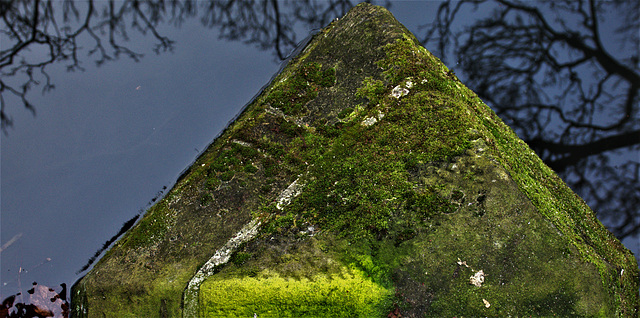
x: 43, y: 302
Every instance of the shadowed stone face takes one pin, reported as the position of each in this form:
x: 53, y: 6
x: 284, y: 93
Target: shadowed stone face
x: 366, y: 181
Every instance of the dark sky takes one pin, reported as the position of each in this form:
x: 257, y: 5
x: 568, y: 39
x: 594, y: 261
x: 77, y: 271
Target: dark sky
x: 108, y: 139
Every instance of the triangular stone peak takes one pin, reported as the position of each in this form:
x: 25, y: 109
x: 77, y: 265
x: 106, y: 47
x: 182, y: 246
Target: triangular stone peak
x: 365, y: 181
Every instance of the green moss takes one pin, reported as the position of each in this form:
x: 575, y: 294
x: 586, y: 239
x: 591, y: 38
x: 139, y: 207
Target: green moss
x: 345, y: 112
x: 426, y: 203
x: 249, y: 168
x: 279, y: 222
x: 206, y: 198
x: 349, y: 294
x: 270, y: 168
x: 246, y: 152
x: 151, y: 228
x: 372, y: 90
x: 294, y: 92
x: 361, y: 185
x: 327, y: 77
x: 212, y: 183
x: 289, y: 128
x: 361, y: 174
x: 227, y: 175
x: 239, y: 258
x: 567, y: 212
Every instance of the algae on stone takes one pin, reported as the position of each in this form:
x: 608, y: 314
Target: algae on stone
x: 404, y: 193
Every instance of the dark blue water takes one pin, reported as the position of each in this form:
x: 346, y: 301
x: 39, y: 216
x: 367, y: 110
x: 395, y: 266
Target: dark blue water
x: 109, y: 139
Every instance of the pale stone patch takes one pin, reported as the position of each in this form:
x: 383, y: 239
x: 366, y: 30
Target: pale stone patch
x: 369, y: 121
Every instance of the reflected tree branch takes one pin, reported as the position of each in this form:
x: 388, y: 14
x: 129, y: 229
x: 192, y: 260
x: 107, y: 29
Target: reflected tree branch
x: 545, y: 68
x: 34, y: 26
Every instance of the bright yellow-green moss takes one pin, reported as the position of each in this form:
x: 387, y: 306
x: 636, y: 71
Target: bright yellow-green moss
x: 349, y: 294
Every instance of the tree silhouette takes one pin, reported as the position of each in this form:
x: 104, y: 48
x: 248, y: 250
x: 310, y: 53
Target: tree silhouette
x: 270, y: 24
x: 69, y: 31
x: 551, y: 71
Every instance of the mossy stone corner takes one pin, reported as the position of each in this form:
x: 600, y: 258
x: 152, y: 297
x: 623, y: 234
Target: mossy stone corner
x: 365, y: 181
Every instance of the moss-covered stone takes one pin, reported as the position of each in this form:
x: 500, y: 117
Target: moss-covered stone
x: 377, y: 184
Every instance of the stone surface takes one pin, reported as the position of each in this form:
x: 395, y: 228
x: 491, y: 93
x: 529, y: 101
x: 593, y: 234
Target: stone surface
x: 365, y: 181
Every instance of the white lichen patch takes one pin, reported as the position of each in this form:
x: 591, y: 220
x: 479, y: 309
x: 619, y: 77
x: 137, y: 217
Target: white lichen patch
x: 409, y: 84
x: 372, y: 120
x: 477, y: 279
x: 222, y: 256
x: 399, y: 91
x: 486, y: 303
x: 275, y: 111
x: 462, y: 263
x: 289, y: 193
x: 241, y: 143
x: 310, y: 230
x: 369, y: 121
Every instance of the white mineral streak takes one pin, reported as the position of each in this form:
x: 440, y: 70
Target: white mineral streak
x: 477, y: 279
x: 289, y: 193
x: 399, y: 91
x: 221, y: 256
x: 241, y: 143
